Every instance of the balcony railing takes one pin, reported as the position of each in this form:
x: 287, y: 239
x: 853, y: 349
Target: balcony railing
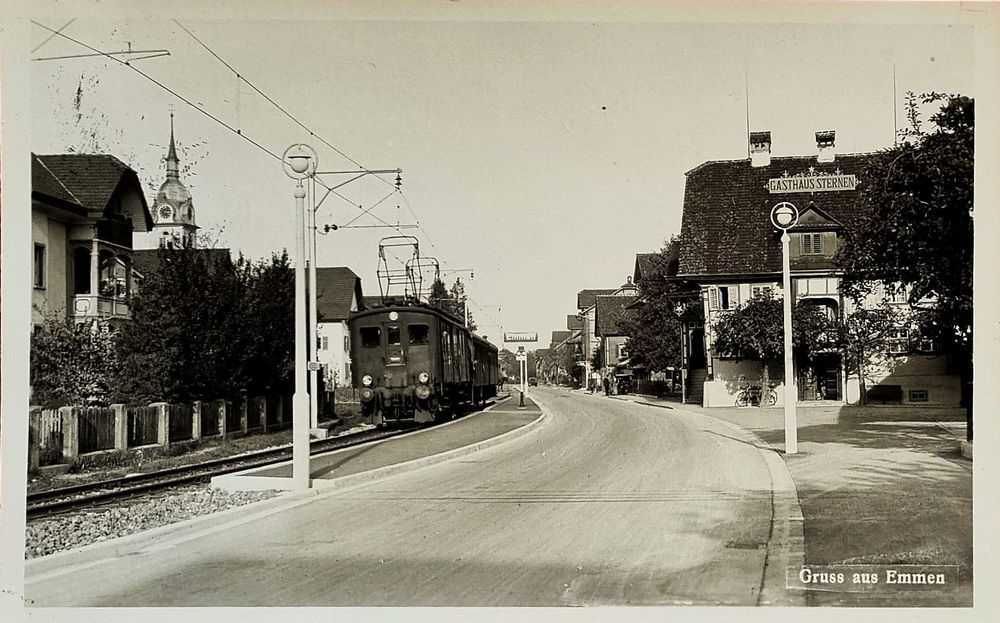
x: 94, y: 306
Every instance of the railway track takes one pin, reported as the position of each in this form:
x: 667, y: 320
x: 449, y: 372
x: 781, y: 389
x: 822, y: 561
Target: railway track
x: 67, y: 499
x: 94, y: 494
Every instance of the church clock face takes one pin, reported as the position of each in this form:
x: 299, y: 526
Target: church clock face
x: 166, y: 212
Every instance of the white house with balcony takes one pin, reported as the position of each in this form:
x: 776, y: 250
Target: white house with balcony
x: 84, y: 211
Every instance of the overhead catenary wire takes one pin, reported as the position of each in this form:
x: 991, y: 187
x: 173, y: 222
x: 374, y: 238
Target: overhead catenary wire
x: 195, y: 106
x: 302, y: 125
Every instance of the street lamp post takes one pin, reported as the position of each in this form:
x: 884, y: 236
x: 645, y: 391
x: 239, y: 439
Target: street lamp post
x: 784, y: 216
x: 299, y: 162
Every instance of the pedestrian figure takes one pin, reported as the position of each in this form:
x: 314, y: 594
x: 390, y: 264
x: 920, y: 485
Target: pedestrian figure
x: 607, y: 386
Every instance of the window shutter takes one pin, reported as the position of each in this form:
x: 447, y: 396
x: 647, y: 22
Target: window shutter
x: 713, y: 298
x: 817, y: 243
x: 734, y: 297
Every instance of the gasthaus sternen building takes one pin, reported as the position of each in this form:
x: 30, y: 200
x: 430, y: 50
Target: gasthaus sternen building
x: 729, y: 252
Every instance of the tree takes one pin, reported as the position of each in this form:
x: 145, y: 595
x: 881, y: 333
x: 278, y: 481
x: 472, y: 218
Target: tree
x: 863, y: 337
x: 755, y: 331
x: 71, y: 364
x: 917, y: 232
x: 453, y: 301
x: 268, y: 361
x: 460, y: 302
x: 654, y: 329
x: 186, y: 336
x: 597, y: 360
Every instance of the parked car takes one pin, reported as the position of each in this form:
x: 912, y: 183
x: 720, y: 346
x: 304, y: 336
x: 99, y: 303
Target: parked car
x: 532, y: 381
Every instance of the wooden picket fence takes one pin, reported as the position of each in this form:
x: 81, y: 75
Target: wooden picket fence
x: 62, y: 435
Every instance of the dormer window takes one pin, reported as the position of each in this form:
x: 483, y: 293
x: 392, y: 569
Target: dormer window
x: 812, y: 244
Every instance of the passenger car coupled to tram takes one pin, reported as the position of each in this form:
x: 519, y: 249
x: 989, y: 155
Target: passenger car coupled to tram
x: 415, y: 363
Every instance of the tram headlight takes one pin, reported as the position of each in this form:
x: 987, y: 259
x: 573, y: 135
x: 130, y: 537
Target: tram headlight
x: 366, y: 380
x: 423, y: 377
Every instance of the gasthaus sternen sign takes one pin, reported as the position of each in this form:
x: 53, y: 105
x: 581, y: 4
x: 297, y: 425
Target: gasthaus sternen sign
x: 811, y: 183
x: 520, y: 336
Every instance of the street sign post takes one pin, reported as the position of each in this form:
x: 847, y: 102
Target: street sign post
x: 522, y: 357
x: 520, y: 336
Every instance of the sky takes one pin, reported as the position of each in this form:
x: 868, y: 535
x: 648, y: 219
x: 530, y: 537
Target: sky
x: 541, y: 155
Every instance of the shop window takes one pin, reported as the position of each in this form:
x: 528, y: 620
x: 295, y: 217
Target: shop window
x: 371, y: 337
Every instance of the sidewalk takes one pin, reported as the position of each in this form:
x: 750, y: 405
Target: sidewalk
x: 877, y: 486
x: 469, y: 432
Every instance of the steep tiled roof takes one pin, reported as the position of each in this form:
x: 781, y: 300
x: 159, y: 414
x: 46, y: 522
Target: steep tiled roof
x: 610, y: 310
x: 585, y: 298
x: 87, y: 180
x: 560, y: 336
x: 643, y: 265
x: 574, y: 322
x: 726, y: 226
x: 336, y: 287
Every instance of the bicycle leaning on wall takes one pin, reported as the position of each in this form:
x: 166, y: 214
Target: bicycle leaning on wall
x: 751, y: 395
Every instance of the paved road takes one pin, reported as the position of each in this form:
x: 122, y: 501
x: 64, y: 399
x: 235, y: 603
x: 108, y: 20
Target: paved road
x: 608, y: 502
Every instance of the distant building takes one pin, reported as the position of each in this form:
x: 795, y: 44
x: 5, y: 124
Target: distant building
x: 338, y: 294
x: 84, y: 211
x: 609, y: 313
x: 730, y: 251
x: 173, y: 207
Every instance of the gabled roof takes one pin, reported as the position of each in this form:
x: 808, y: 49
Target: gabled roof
x: 609, y: 313
x: 585, y: 298
x: 643, y: 265
x: 574, y: 322
x: 86, y: 180
x: 336, y: 288
x: 558, y: 337
x: 726, y: 227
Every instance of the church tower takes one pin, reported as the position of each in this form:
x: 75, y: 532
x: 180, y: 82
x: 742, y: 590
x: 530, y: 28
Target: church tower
x: 173, y: 210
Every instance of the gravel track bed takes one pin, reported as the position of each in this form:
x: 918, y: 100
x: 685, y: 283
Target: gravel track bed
x: 74, y: 530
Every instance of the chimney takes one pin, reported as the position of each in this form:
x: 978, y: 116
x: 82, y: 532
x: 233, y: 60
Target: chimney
x: 824, y: 142
x: 760, y: 149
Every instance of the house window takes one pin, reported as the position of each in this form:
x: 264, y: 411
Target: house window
x: 812, y: 244
x: 39, y: 266
x: 722, y: 297
x: 324, y: 343
x: 899, y: 341
x: 347, y: 343
x: 896, y: 295
x: 622, y: 351
x: 918, y: 395
x: 761, y: 292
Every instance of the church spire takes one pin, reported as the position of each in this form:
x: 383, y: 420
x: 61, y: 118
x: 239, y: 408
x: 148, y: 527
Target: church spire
x: 172, y: 161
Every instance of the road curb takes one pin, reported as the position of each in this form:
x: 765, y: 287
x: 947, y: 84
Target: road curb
x: 167, y: 536
x: 786, y: 545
